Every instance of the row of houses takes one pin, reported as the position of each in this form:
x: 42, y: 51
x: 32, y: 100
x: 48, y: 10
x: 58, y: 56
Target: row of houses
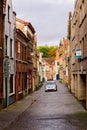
x: 57, y: 68
x: 20, y: 62
x: 22, y: 67
x: 78, y: 45
x: 73, y: 53
x: 71, y: 57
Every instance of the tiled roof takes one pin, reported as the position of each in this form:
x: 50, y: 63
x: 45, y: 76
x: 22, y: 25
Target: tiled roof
x: 47, y: 64
x: 49, y: 60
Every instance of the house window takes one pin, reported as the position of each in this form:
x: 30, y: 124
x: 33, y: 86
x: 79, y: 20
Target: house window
x: 10, y: 47
x: 22, y: 53
x: 83, y: 47
x: 19, y: 48
x: 25, y: 53
x: 6, y: 41
x: 85, y: 42
x: 57, y: 63
x: 19, y: 78
x: 11, y: 83
x: 24, y: 80
x: 83, y: 12
x: 8, y: 13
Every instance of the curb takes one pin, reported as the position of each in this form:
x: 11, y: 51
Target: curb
x: 10, y: 114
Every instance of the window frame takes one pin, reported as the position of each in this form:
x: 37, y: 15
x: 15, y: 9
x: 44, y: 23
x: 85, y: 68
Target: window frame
x: 6, y: 44
x: 11, y: 88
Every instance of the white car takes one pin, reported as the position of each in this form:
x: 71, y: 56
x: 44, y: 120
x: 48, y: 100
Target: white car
x: 50, y: 86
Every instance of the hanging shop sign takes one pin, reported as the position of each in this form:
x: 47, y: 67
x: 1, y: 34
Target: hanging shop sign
x: 78, y: 53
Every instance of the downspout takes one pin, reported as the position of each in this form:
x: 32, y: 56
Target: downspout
x: 4, y: 13
x: 14, y: 51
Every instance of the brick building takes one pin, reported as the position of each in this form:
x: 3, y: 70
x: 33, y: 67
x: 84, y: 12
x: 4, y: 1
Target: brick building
x: 29, y: 32
x: 63, y: 66
x: 1, y: 52
x: 21, y: 64
x: 57, y: 64
x: 79, y: 42
x: 49, y: 71
x: 35, y: 59
x: 50, y: 68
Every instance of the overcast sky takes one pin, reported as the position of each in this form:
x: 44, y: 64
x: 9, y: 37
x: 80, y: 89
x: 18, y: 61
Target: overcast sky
x: 48, y: 17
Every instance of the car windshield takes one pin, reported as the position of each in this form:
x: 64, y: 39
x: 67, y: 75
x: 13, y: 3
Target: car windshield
x: 50, y: 83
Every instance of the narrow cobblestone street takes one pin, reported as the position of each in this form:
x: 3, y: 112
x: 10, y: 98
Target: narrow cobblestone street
x: 50, y: 110
x: 43, y: 47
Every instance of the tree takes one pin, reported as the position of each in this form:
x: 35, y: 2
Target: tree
x: 52, y: 51
x: 48, y: 51
x: 44, y: 50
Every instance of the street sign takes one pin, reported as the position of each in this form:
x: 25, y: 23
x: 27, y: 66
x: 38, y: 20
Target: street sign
x: 78, y: 53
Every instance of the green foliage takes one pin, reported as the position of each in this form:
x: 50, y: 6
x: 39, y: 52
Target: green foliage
x: 81, y: 115
x: 44, y: 50
x: 52, y: 52
x: 48, y: 51
x: 37, y: 87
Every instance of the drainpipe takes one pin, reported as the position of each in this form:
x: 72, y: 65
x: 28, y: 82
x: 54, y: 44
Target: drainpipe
x: 1, y: 6
x: 15, y: 50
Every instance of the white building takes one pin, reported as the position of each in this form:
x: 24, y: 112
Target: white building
x: 9, y: 53
x: 41, y: 69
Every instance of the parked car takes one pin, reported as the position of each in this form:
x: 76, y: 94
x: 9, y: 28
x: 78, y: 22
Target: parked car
x: 50, y: 86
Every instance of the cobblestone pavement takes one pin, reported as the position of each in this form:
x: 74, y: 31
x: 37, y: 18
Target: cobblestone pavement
x: 44, y: 111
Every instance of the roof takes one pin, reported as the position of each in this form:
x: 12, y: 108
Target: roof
x: 49, y: 60
x: 48, y: 64
x: 26, y: 24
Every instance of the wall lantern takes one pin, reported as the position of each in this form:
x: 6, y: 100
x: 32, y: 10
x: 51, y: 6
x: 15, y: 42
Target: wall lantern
x: 32, y: 53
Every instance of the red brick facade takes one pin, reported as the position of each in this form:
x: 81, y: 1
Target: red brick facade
x: 21, y: 64
x: 29, y: 32
x: 25, y: 64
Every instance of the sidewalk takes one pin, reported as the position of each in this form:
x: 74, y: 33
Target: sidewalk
x: 12, y: 112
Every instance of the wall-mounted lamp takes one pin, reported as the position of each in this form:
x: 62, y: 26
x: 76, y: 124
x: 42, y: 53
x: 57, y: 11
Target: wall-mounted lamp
x: 32, y: 52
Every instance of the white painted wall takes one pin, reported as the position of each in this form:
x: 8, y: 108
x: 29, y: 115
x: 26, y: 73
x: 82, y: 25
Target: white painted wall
x: 9, y: 27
